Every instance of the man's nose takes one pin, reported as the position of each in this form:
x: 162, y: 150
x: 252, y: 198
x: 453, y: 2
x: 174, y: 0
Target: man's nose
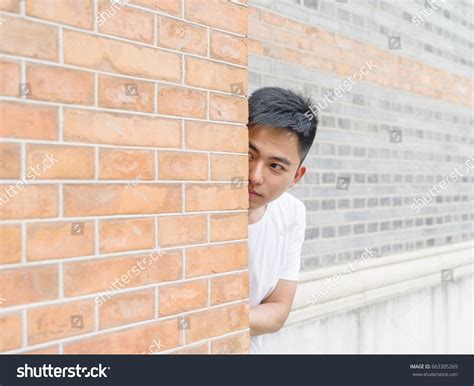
x: 256, y: 173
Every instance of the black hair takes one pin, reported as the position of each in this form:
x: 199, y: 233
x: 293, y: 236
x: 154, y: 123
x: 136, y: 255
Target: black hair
x: 283, y: 108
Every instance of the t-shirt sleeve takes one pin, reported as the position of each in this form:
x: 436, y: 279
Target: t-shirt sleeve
x: 291, y: 268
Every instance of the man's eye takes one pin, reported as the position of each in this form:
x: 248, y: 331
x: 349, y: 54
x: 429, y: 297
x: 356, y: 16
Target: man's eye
x: 279, y: 167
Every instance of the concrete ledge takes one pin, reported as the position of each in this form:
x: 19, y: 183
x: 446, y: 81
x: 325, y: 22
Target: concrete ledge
x: 329, y: 291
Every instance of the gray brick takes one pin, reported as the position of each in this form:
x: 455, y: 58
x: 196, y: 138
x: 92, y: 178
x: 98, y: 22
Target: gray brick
x: 328, y: 178
x: 255, y: 79
x: 359, y: 152
x: 311, y: 233
x: 328, y: 204
x: 311, y: 4
x: 327, y: 232
x: 359, y: 228
x: 397, y: 178
x: 372, y: 178
x: 311, y: 177
x: 343, y: 150
x: 372, y: 227
x: 343, y: 123
x: 327, y: 149
x: 344, y: 203
x: 343, y: 257
x: 312, y: 205
x: 372, y: 201
x: 359, y: 178
x: 358, y: 100
x: 344, y: 230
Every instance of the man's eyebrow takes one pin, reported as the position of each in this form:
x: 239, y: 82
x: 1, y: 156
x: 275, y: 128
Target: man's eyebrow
x: 284, y: 160
x: 253, y: 147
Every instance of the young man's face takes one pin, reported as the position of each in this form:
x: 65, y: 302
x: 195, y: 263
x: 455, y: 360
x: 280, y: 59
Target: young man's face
x: 273, y: 164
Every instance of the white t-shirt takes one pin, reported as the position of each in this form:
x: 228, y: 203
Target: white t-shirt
x: 274, y: 247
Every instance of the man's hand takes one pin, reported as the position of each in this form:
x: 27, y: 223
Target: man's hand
x: 271, y: 314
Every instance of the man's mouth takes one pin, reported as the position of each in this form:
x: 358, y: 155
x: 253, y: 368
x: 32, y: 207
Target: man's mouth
x: 253, y: 193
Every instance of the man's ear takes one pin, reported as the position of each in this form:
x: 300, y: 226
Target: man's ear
x: 299, y: 174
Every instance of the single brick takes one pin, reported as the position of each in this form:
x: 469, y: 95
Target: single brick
x: 182, y: 102
x: 28, y: 121
x: 183, y: 297
x: 229, y: 226
x: 29, y: 285
x: 27, y: 38
x: 11, y: 327
x: 60, y: 321
x: 228, y: 167
x: 59, y: 162
x: 181, y: 36
x: 9, y: 78
x: 182, y: 166
x: 126, y: 234
x: 127, y: 308
x: 10, y: 247
x: 126, y: 94
x: 181, y: 230
x: 121, y: 164
x: 228, y: 108
x: 228, y: 48
x: 125, y: 22
x: 218, y: 321
x: 10, y: 160
x: 60, y: 85
x: 229, y: 288
x: 54, y: 240
x: 18, y: 201
x: 215, y: 259
x: 78, y: 13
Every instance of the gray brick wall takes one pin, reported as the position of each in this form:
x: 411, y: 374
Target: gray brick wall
x: 389, y: 146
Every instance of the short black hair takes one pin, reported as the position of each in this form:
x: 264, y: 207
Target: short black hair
x: 283, y: 108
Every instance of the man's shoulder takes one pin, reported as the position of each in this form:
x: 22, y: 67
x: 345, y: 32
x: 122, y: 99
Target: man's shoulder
x: 288, y: 202
x: 289, y: 209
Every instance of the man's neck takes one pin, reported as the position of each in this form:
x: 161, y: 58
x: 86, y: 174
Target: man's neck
x: 256, y: 214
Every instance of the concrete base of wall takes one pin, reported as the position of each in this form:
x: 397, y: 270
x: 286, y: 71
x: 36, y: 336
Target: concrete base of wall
x: 421, y: 316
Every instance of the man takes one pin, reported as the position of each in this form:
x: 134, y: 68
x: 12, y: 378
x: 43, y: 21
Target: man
x: 282, y: 127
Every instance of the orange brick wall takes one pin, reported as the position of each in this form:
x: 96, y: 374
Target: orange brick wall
x: 123, y: 158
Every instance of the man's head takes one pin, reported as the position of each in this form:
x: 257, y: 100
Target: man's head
x: 282, y: 127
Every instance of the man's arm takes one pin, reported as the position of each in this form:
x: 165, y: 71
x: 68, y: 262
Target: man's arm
x: 270, y: 315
